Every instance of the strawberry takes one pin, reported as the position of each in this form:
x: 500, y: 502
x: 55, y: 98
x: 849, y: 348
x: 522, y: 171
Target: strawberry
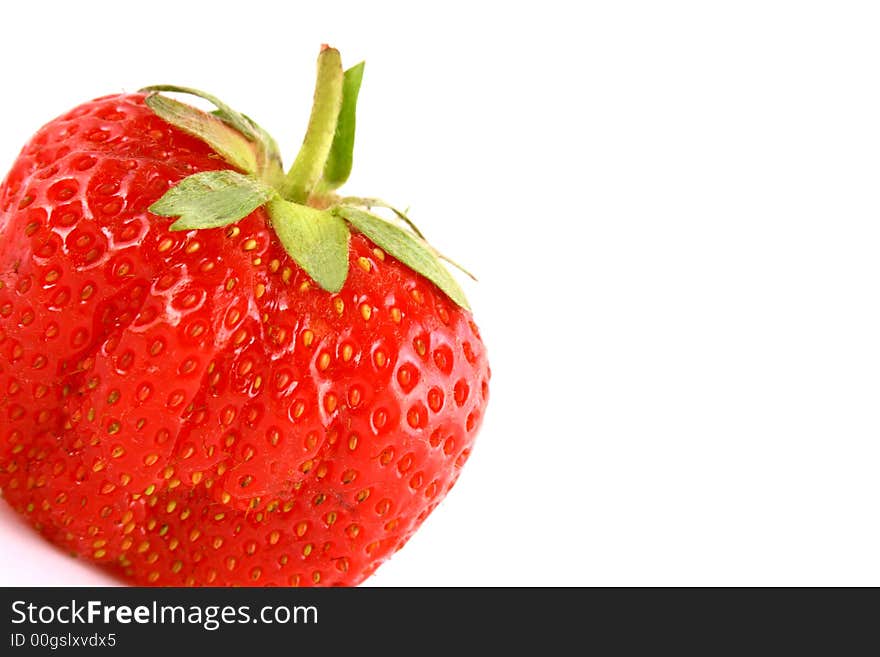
x: 216, y: 373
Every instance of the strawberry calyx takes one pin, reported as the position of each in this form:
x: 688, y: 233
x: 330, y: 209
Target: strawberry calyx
x: 311, y: 221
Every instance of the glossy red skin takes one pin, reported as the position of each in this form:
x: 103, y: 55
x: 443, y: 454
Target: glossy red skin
x: 187, y: 408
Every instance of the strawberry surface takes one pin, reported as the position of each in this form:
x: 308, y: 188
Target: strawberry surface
x: 188, y: 407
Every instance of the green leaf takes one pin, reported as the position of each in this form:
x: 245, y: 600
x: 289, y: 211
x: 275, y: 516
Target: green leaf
x: 316, y: 239
x: 235, y: 119
x: 266, y: 149
x: 229, y: 143
x: 211, y: 199
x: 338, y: 165
x: 371, y: 203
x: 406, y: 247
x: 268, y: 153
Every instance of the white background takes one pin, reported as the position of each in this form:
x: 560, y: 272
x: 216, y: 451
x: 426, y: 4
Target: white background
x: 673, y: 211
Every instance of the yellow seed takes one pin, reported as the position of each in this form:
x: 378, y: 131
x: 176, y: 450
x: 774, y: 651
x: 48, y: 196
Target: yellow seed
x: 339, y: 305
x: 165, y: 244
x: 323, y: 361
x: 347, y: 352
x: 274, y: 264
x: 259, y: 290
x: 307, y: 337
x: 192, y: 247
x: 366, y: 311
x: 250, y: 245
x: 395, y: 315
x: 379, y: 253
x: 286, y: 273
x: 117, y: 451
x: 169, y: 508
x: 233, y: 232
x: 364, y: 264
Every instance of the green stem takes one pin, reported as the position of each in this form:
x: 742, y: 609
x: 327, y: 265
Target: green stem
x: 308, y: 167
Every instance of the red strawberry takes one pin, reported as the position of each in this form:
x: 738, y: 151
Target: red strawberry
x: 276, y: 388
